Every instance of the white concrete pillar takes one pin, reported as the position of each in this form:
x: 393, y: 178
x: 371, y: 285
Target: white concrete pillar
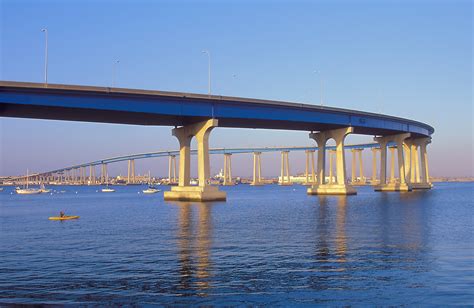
x: 257, y: 169
x: 172, y: 169
x: 424, y: 182
x: 412, y: 171
x: 407, y: 159
x: 361, y: 167
x: 417, y: 165
x: 285, y: 169
x: 309, y: 170
x: 228, y: 169
x: 374, y: 164
x: 184, y: 191
x: 321, y: 140
x: 399, y: 140
x: 353, y: 167
x: 332, y: 154
x: 392, y: 164
x: 341, y: 187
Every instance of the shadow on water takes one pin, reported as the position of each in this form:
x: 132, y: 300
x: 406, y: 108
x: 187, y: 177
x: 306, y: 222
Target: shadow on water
x: 194, y: 242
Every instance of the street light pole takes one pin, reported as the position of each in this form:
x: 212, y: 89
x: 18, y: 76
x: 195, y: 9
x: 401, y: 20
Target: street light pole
x: 320, y: 87
x: 45, y: 56
x: 209, y: 69
x: 114, y: 71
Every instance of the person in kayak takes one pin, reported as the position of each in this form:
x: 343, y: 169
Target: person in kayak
x: 61, y: 214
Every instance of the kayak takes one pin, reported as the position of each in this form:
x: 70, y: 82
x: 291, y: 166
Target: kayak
x: 63, y: 218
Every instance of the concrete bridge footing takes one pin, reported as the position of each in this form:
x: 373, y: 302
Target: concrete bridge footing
x: 184, y: 191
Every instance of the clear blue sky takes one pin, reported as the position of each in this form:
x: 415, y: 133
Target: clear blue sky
x: 405, y: 58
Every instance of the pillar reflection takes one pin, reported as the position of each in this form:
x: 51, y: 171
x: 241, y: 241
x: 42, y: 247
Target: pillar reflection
x: 194, y: 242
x: 341, y: 238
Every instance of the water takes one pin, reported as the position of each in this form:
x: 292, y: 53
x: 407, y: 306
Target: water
x: 265, y: 245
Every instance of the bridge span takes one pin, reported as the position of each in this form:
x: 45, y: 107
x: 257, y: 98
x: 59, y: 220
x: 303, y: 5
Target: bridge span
x: 195, y: 115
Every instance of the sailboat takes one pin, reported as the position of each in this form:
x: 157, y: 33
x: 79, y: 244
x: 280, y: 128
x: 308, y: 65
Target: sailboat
x: 151, y: 189
x: 107, y: 189
x: 26, y: 190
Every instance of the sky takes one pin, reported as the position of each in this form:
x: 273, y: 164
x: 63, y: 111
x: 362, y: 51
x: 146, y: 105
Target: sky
x: 411, y: 59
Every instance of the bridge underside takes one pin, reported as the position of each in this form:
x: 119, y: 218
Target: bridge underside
x: 142, y: 118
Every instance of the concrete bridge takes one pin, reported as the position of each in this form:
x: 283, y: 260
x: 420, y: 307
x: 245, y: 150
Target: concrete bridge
x: 77, y: 174
x: 195, y: 115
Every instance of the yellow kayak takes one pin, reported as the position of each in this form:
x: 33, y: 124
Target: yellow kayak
x: 63, y: 218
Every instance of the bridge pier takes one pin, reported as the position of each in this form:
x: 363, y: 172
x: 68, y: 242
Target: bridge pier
x: 357, y: 153
x: 310, y: 165
x: 340, y: 187
x: 285, y: 169
x: 131, y: 172
x: 417, y: 180
x: 91, y: 175
x: 392, y: 185
x: 228, y: 170
x: 257, y: 169
x: 172, y: 169
x: 184, y: 191
x: 374, y: 180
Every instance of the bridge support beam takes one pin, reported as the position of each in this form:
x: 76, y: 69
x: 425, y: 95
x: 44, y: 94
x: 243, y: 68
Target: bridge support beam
x: 340, y: 187
x: 172, y: 169
x: 184, y: 191
x: 417, y: 180
x: 285, y: 169
x: 228, y: 170
x: 357, y: 159
x: 374, y: 180
x: 393, y: 184
x: 91, y: 175
x: 310, y: 175
x: 257, y: 169
x: 131, y: 172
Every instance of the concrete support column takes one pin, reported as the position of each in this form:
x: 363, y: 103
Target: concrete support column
x: 417, y: 166
x: 184, y: 191
x: 172, y: 169
x: 357, y: 159
x: 340, y: 187
x: 392, y: 164
x: 131, y: 172
x: 374, y: 165
x: 423, y: 181
x: 407, y: 156
x: 257, y: 169
x: 285, y: 169
x: 332, y: 154
x: 310, y: 176
x: 91, y: 175
x: 393, y: 185
x: 361, y: 166
x: 354, y: 165
x: 412, y: 164
x: 228, y: 169
x: 104, y: 177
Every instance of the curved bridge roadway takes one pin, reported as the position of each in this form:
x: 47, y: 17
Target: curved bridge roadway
x: 197, y: 114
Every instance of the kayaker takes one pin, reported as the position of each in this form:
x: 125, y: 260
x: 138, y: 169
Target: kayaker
x: 61, y: 214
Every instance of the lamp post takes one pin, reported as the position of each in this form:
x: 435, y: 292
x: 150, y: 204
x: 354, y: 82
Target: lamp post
x: 209, y: 69
x: 45, y: 56
x: 320, y: 86
x: 114, y: 71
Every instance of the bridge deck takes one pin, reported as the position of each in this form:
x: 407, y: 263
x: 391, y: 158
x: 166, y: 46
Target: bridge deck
x: 144, y: 107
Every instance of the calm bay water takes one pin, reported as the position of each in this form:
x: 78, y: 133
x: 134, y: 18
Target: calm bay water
x: 265, y: 245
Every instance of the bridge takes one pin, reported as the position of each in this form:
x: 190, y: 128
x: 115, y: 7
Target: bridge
x: 195, y: 115
x: 78, y: 173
